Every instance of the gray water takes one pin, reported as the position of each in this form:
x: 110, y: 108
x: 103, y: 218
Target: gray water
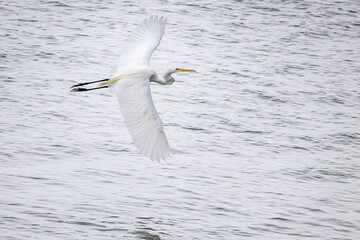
x: 266, y: 134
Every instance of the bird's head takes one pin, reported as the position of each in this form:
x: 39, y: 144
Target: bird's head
x: 169, y: 79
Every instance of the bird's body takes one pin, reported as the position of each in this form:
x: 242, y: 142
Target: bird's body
x: 130, y: 81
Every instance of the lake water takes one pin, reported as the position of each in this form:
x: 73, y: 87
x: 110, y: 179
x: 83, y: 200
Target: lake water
x: 266, y: 134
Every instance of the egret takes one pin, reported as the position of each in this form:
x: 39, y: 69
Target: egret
x: 130, y: 81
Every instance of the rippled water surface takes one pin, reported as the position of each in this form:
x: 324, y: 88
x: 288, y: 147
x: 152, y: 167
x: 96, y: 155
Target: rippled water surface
x: 266, y: 133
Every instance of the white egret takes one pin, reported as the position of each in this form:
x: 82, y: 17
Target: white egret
x: 130, y: 80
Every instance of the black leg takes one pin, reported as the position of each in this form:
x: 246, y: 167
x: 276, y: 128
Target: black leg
x: 86, y: 89
x: 86, y: 83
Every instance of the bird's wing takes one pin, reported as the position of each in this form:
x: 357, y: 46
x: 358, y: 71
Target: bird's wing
x: 141, y: 44
x: 141, y: 117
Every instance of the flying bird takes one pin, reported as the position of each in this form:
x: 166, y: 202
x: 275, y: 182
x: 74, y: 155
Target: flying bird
x: 130, y: 81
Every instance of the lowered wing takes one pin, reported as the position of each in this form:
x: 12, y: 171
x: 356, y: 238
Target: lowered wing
x: 141, y: 117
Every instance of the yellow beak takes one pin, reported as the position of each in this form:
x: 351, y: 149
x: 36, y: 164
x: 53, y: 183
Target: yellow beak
x: 185, y: 70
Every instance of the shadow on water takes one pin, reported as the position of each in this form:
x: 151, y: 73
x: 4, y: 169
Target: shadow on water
x: 143, y: 234
x: 145, y: 228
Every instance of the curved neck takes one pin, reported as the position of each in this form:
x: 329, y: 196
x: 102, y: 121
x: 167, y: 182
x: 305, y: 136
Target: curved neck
x: 167, y: 80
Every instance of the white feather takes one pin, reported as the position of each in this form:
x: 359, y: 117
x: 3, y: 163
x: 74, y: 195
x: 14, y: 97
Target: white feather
x: 142, y: 43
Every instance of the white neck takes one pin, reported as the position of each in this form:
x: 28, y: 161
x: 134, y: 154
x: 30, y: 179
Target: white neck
x: 167, y: 80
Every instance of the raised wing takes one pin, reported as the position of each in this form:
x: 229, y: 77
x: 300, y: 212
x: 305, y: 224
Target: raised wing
x: 141, y: 117
x: 141, y: 44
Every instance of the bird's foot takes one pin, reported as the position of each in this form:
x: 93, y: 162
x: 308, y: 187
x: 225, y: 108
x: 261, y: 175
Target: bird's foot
x: 77, y: 89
